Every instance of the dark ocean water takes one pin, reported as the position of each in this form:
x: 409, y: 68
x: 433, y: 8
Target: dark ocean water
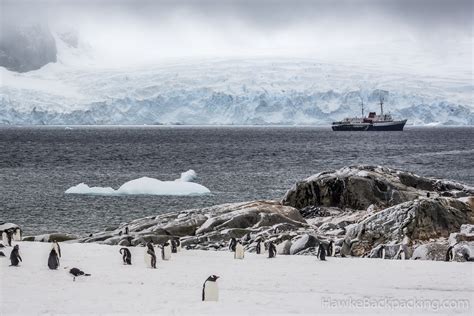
x: 236, y: 163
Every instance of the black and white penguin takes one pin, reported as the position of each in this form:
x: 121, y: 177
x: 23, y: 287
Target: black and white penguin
x: 331, y: 251
x: 178, y: 245
x: 321, y: 254
x: 126, y: 230
x: 272, y: 251
x: 166, y: 251
x: 4, y: 237
x: 232, y: 244
x: 400, y: 254
x: 260, y: 246
x: 126, y: 255
x: 9, y: 237
x: 56, y: 247
x: 381, y: 252
x: 239, y: 251
x: 53, y: 260
x: 150, y: 256
x: 75, y: 272
x: 2, y: 254
x: 450, y: 254
x: 210, y: 290
x: 15, y: 256
x: 174, y: 246
x: 17, y: 234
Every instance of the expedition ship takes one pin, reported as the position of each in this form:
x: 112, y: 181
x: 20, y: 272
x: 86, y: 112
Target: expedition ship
x: 374, y: 122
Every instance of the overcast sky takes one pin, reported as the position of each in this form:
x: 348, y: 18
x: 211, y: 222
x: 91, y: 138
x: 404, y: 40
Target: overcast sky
x: 403, y: 31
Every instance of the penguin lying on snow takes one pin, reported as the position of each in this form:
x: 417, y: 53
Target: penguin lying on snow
x: 150, y: 256
x: 76, y: 273
x: 210, y: 290
x: 53, y: 260
x: 15, y: 256
x: 126, y: 255
x: 272, y: 251
x: 239, y: 251
x: 166, y: 251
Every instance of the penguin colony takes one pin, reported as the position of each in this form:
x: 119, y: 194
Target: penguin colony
x: 210, y: 290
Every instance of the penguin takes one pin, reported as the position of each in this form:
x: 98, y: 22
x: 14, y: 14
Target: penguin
x: 400, y: 254
x: 120, y: 233
x: 331, y: 251
x: 178, y: 245
x: 166, y: 251
x: 210, y: 290
x: 232, y: 244
x: 450, y: 254
x: 4, y: 237
x: 75, y: 272
x: 17, y: 234
x: 15, y: 256
x: 126, y: 230
x: 150, y: 256
x: 56, y: 247
x: 126, y: 255
x: 239, y: 251
x: 381, y: 252
x: 174, y: 246
x: 53, y: 260
x: 260, y: 247
x: 2, y: 254
x: 272, y: 251
x: 321, y: 252
x: 9, y: 237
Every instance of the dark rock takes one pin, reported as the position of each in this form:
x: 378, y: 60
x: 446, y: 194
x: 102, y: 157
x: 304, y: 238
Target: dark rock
x: 304, y: 242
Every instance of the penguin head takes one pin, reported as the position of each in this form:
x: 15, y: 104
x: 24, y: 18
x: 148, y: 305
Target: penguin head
x: 213, y: 278
x: 16, y: 247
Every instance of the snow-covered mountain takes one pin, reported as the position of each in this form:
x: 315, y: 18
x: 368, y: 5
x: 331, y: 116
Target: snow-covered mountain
x: 246, y: 91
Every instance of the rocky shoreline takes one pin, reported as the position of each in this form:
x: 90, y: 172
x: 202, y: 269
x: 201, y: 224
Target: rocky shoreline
x: 365, y: 211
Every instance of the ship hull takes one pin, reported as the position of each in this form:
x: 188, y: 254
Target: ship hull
x: 382, y: 126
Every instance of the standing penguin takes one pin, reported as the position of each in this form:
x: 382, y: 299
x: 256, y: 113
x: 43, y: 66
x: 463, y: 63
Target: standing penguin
x: 126, y: 230
x: 321, y: 253
x: 56, y: 247
x: 150, y: 256
x: 331, y: 250
x: 232, y: 244
x: 381, y: 252
x: 400, y: 254
x: 126, y: 255
x: 53, y: 260
x: 450, y: 254
x: 272, y: 251
x: 260, y: 247
x: 178, y: 245
x: 174, y: 246
x: 166, y: 251
x: 239, y: 251
x: 9, y: 237
x: 4, y: 237
x: 210, y: 290
x: 15, y: 256
x: 17, y: 234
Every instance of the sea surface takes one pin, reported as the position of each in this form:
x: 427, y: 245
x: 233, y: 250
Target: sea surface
x: 37, y: 164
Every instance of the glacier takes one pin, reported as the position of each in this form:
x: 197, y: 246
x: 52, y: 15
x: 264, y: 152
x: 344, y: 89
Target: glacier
x: 255, y: 91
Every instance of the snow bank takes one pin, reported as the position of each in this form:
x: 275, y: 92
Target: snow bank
x: 253, y: 286
x: 147, y: 186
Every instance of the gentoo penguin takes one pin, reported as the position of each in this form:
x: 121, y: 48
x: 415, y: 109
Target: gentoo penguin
x: 331, y: 252
x: 53, y: 260
x: 5, y: 237
x: 2, y: 254
x: 56, y: 247
x: 174, y: 246
x: 400, y: 254
x: 9, y: 237
x: 15, y: 256
x: 126, y: 255
x: 150, y: 256
x: 126, y: 230
x: 232, y: 244
x: 76, y: 272
x: 450, y: 254
x: 272, y: 251
x: 321, y: 253
x: 239, y: 251
x: 178, y: 245
x: 260, y: 247
x: 17, y: 234
x: 166, y: 251
x: 382, y: 252
x: 210, y: 290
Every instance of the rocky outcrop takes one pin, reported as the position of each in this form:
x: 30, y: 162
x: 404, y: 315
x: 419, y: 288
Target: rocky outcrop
x: 210, y: 227
x: 357, y: 187
x: 419, y: 220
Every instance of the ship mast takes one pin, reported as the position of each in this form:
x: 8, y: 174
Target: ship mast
x: 381, y: 105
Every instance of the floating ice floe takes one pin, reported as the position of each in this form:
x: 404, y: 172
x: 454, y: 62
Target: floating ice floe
x: 147, y: 186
